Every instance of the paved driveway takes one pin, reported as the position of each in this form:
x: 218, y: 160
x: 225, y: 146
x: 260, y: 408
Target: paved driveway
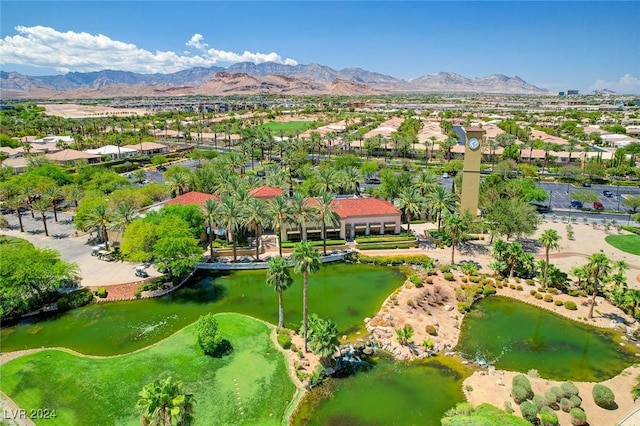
x: 72, y: 248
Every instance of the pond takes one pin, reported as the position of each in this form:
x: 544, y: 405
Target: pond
x: 346, y: 293
x: 390, y: 393
x: 518, y: 336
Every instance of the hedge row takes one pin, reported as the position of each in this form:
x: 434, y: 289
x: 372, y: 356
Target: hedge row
x: 387, y: 246
x: 634, y: 229
x: 287, y: 244
x: 409, y: 259
x: 367, y: 239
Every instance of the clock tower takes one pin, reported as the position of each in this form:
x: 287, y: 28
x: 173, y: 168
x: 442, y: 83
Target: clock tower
x: 471, y: 170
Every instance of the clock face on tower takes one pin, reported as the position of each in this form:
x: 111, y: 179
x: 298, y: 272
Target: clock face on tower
x: 474, y: 143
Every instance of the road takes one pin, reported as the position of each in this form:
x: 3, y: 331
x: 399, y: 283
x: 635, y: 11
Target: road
x: 560, y: 194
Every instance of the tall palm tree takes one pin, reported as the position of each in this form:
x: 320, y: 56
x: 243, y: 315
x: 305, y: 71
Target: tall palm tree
x: 426, y: 181
x: 179, y: 182
x: 53, y: 193
x: 301, y: 211
x: 513, y: 253
x: 350, y: 179
x: 41, y: 205
x: 598, y: 270
x: 306, y: 260
x: 232, y: 216
x: 327, y: 216
x: 122, y: 216
x: 256, y: 219
x: 279, y: 277
x: 441, y: 201
x: 410, y: 200
x: 447, y: 145
x: 165, y: 403
x: 325, y: 181
x: 73, y: 193
x: 278, y: 211
x: 456, y: 227
x: 211, y: 210
x: 549, y: 239
x: 16, y: 203
x: 101, y: 218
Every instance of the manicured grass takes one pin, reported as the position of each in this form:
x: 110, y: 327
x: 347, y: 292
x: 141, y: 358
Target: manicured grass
x: 105, y: 390
x: 626, y: 243
x: 287, y: 125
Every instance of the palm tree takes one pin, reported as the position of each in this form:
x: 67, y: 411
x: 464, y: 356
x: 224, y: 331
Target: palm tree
x: 53, y: 193
x: 16, y: 202
x: 179, y: 182
x: 327, y: 216
x: 456, y: 227
x: 513, y: 253
x: 255, y: 218
x: 411, y: 202
x: 350, y: 179
x: 598, y: 270
x: 447, y: 145
x: 306, y: 260
x: 232, y: 216
x: 279, y: 211
x: 41, y: 205
x: 325, y: 181
x: 73, y: 193
x: 301, y: 211
x: 122, y: 216
x: 279, y: 277
x: 440, y: 202
x: 165, y: 403
x: 211, y: 210
x: 549, y: 239
x: 101, y: 219
x: 426, y: 181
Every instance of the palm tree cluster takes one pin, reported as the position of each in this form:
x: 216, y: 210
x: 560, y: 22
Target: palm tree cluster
x: 164, y: 403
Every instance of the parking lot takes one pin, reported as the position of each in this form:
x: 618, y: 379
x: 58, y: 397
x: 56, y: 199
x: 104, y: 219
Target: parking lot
x: 73, y: 248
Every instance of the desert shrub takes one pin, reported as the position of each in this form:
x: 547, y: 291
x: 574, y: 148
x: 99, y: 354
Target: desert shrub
x: 284, y: 338
x: 578, y: 416
x: 519, y: 394
x: 533, y: 373
x: 464, y: 279
x: 551, y: 397
x: 508, y: 407
x: 445, y: 268
x: 569, y: 389
x: 521, y: 380
x: 548, y: 298
x: 574, y: 292
x: 431, y: 330
x: 604, y: 397
x: 559, y: 393
x: 474, y: 279
x: 576, y: 401
x: 101, y: 292
x: 415, y: 279
x: 512, y: 286
x: 539, y: 401
x: 429, y: 280
x: 533, y: 292
x: 409, y: 302
x: 558, y: 302
x: 209, y: 337
x: 565, y: 405
x: 570, y: 305
x: 448, y: 276
x: 530, y: 282
x: 517, y: 280
x: 519, y: 288
x: 488, y: 290
x: 529, y: 411
x: 538, y: 296
x: 553, y: 291
x: 548, y: 417
x: 464, y: 307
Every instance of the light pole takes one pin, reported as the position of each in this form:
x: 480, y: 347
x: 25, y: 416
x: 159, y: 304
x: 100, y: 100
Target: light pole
x: 618, y: 197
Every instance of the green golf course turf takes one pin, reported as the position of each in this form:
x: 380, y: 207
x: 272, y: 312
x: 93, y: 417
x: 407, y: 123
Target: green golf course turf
x: 626, y: 243
x: 102, y: 391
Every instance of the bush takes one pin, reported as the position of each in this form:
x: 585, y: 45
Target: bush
x: 429, y: 280
x: 539, y: 401
x: 431, y: 330
x: 569, y: 389
x: 409, y: 259
x: 578, y: 416
x: 570, y: 305
x: 75, y: 299
x: 415, y: 279
x: 529, y: 411
x: 538, y: 296
x: 604, y: 397
x: 565, y: 405
x: 445, y: 268
x: 551, y: 397
x: 530, y: 282
x: 284, y: 338
x: 464, y: 307
x: 448, y: 276
x: 548, y: 417
x: 209, y: 337
x: 521, y: 380
x: 533, y: 292
x: 102, y: 292
x: 519, y: 288
x: 558, y: 302
x: 519, y: 394
x: 548, y: 298
x: 559, y: 393
x: 575, y: 401
x: 488, y: 290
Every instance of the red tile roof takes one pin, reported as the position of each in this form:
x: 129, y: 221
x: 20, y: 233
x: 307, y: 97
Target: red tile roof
x: 265, y: 192
x: 357, y: 207
x: 193, y: 197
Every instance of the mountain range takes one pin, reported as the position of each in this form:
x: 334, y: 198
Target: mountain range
x: 249, y: 78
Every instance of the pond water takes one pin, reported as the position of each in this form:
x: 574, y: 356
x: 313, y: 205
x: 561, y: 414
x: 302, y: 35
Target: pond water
x: 346, y: 293
x: 517, y: 336
x: 390, y: 393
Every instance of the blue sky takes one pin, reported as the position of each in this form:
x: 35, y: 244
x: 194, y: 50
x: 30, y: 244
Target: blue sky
x: 556, y: 45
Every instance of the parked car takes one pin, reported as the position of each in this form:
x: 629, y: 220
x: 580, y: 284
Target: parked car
x: 598, y: 205
x: 141, y: 271
x: 607, y: 193
x: 586, y: 184
x: 575, y: 204
x: 373, y: 181
x: 445, y: 175
x: 161, y: 168
x: 541, y: 208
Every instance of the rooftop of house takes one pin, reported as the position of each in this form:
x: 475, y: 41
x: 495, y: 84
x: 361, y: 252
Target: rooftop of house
x: 193, y: 197
x: 265, y: 192
x: 362, y: 207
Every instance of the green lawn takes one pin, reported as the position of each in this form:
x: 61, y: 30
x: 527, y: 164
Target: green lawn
x: 626, y: 243
x: 104, y: 391
x: 276, y: 126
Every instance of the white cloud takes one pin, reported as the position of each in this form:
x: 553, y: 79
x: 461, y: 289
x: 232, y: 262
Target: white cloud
x: 71, y: 51
x: 627, y: 84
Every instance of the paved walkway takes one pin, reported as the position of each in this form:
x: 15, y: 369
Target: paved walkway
x: 73, y: 248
